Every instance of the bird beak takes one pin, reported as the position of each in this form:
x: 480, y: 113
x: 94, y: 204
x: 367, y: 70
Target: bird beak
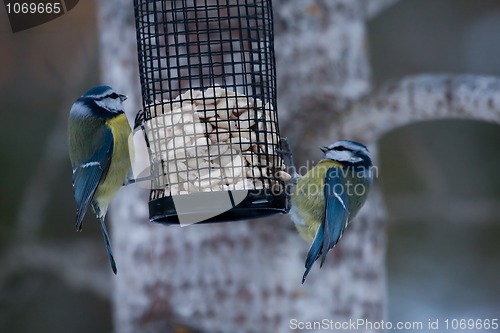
x: 324, y: 149
x: 123, y: 98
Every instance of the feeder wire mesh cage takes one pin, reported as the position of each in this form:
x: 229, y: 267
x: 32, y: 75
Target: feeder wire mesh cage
x: 209, y: 114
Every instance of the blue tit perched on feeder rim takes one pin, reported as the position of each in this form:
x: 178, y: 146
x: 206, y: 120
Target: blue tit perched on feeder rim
x: 329, y: 196
x: 98, y: 133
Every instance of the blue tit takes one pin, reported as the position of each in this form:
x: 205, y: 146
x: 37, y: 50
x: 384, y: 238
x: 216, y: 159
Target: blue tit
x: 329, y: 195
x: 98, y: 133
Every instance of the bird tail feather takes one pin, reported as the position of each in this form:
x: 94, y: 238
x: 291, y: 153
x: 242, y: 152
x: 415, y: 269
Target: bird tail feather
x: 108, y: 245
x: 314, y: 251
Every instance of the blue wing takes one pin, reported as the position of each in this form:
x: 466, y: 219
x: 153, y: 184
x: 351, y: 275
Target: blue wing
x: 88, y: 175
x: 336, y: 209
x: 336, y: 217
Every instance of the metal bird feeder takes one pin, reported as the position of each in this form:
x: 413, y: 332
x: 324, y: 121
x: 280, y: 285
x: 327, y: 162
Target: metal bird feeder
x: 209, y: 113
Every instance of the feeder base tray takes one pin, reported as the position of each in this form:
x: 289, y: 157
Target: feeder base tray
x: 211, y: 207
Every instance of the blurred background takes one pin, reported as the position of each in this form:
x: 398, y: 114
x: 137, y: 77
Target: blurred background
x: 440, y: 179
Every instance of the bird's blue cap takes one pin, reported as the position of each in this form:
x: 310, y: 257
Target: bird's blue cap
x: 98, y: 91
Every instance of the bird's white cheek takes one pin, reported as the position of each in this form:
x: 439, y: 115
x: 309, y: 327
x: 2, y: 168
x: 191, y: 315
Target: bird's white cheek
x: 339, y: 155
x: 113, y: 105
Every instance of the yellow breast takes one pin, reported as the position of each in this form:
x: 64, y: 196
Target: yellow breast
x: 308, y: 201
x: 120, y: 162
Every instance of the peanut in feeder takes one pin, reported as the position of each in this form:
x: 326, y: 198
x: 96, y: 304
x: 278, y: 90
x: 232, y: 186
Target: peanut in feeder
x: 210, y: 121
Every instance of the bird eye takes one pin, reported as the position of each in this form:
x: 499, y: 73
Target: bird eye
x: 339, y: 148
x: 114, y: 95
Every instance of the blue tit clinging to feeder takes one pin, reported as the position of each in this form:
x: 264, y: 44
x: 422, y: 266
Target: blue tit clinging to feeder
x: 329, y: 196
x: 98, y: 133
